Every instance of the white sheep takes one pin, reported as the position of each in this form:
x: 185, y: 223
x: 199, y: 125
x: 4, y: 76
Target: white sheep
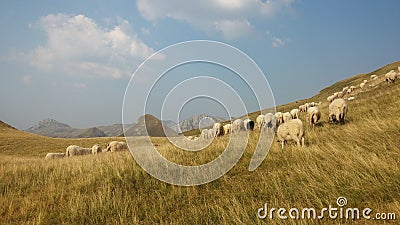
x: 279, y: 117
x: 227, y: 128
x: 54, y: 155
x: 211, y: 133
x: 116, y: 146
x: 362, y: 85
x: 291, y: 130
x: 351, y: 98
x: 307, y: 105
x: 96, y: 149
x: 374, y: 77
x: 330, y: 98
x: 338, y: 110
x: 74, y: 150
x: 341, y: 94
x: 287, y: 116
x: 365, y: 81
x: 248, y: 124
x: 260, y: 121
x: 302, y: 108
x: 313, y: 116
x: 237, y: 125
x: 204, y: 134
x: 295, y: 112
x: 270, y: 121
x: 218, y: 129
x: 391, y: 77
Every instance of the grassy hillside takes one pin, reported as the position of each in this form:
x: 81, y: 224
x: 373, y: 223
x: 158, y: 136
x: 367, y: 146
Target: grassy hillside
x: 359, y: 160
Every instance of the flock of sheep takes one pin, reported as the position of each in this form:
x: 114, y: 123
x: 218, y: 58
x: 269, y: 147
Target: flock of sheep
x: 287, y: 125
x: 75, y: 150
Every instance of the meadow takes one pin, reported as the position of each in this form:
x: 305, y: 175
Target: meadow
x: 359, y: 160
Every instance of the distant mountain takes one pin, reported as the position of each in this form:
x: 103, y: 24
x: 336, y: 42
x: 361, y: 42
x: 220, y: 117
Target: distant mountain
x: 202, y: 120
x: 91, y: 132
x: 53, y: 128
x: 149, y: 125
x: 170, y: 124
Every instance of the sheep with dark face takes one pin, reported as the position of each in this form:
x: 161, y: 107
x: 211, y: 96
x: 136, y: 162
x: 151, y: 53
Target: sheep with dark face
x: 248, y: 124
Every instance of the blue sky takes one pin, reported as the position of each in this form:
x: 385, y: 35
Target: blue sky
x: 72, y: 60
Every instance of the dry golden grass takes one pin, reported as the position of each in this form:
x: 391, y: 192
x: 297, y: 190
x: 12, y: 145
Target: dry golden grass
x: 359, y: 160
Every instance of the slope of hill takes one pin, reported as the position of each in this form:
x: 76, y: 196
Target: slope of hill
x: 359, y: 160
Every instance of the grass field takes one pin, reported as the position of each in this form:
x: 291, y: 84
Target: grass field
x: 359, y: 160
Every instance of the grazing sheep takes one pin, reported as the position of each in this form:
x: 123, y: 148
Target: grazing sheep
x: 349, y: 91
x: 291, y: 130
x: 313, y: 116
x: 218, y: 129
x: 211, y: 133
x: 340, y: 94
x: 302, y: 108
x: 295, y: 112
x: 338, y: 111
x: 96, y: 149
x: 351, y: 98
x: 227, y: 128
x: 391, y: 77
x: 362, y: 85
x: 270, y: 121
x: 374, y: 77
x: 307, y: 105
x: 54, y: 155
x: 204, y: 134
x: 260, y: 121
x: 287, y: 116
x: 345, y: 89
x: 352, y: 88
x: 365, y: 81
x: 279, y: 117
x: 237, y: 125
x: 248, y: 124
x: 330, y: 98
x: 74, y: 150
x: 116, y: 146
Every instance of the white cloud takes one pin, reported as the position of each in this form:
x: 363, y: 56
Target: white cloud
x: 229, y: 18
x: 277, y: 42
x: 233, y: 29
x: 77, y: 45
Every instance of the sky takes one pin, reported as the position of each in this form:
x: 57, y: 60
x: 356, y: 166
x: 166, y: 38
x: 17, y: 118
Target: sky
x: 73, y: 60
